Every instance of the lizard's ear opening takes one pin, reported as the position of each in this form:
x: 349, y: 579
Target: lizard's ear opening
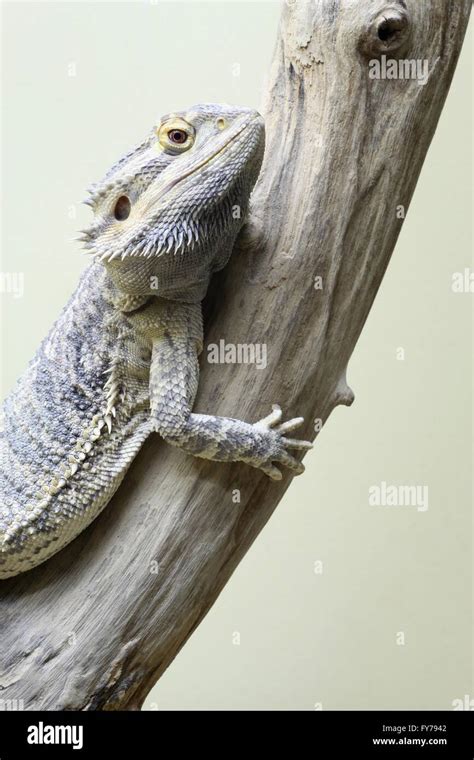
x: 122, y: 208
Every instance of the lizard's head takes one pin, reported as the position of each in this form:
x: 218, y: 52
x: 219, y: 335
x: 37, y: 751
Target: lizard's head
x: 167, y: 214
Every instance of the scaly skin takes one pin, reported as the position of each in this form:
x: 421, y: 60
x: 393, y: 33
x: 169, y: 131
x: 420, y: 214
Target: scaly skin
x: 121, y: 360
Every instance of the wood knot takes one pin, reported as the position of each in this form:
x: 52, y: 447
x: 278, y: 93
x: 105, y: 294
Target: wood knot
x: 389, y: 31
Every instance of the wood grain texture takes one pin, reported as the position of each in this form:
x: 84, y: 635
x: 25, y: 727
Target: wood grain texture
x: 95, y: 626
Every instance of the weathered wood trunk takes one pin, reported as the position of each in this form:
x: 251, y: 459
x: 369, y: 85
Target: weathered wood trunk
x: 95, y: 627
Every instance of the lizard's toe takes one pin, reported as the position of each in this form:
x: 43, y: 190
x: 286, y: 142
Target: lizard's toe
x: 296, y: 443
x: 272, y: 471
x: 291, y: 462
x: 285, y: 427
x: 271, y: 419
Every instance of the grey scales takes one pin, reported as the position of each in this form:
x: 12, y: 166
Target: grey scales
x: 121, y: 361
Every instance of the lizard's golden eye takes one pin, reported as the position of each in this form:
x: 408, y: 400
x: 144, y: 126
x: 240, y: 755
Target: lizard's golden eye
x: 178, y: 136
x: 122, y: 208
x: 175, y: 135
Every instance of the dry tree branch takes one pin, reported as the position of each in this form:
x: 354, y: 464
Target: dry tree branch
x: 95, y: 626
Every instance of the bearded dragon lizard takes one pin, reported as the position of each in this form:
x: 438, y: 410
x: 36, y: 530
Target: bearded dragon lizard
x: 121, y: 361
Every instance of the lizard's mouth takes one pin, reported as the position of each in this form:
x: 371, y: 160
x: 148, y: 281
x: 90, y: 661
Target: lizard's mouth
x: 207, y: 159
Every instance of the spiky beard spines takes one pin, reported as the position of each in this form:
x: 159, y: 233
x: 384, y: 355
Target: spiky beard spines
x: 184, y: 234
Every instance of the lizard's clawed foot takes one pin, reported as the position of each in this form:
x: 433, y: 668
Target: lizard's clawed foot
x: 275, y: 433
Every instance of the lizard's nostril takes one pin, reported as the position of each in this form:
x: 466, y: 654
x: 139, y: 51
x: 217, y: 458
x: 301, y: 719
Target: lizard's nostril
x: 122, y: 208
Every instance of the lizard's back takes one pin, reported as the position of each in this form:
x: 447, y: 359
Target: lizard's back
x: 72, y: 425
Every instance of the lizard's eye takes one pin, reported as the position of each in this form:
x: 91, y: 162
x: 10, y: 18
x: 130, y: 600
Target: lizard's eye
x: 175, y: 136
x: 178, y: 136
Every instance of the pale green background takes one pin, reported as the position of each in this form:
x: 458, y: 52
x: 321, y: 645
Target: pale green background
x: 305, y: 638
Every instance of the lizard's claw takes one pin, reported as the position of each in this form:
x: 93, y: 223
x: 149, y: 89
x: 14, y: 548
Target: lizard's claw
x: 278, y: 443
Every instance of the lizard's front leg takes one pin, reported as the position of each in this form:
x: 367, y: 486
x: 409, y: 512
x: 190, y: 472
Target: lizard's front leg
x: 174, y: 377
